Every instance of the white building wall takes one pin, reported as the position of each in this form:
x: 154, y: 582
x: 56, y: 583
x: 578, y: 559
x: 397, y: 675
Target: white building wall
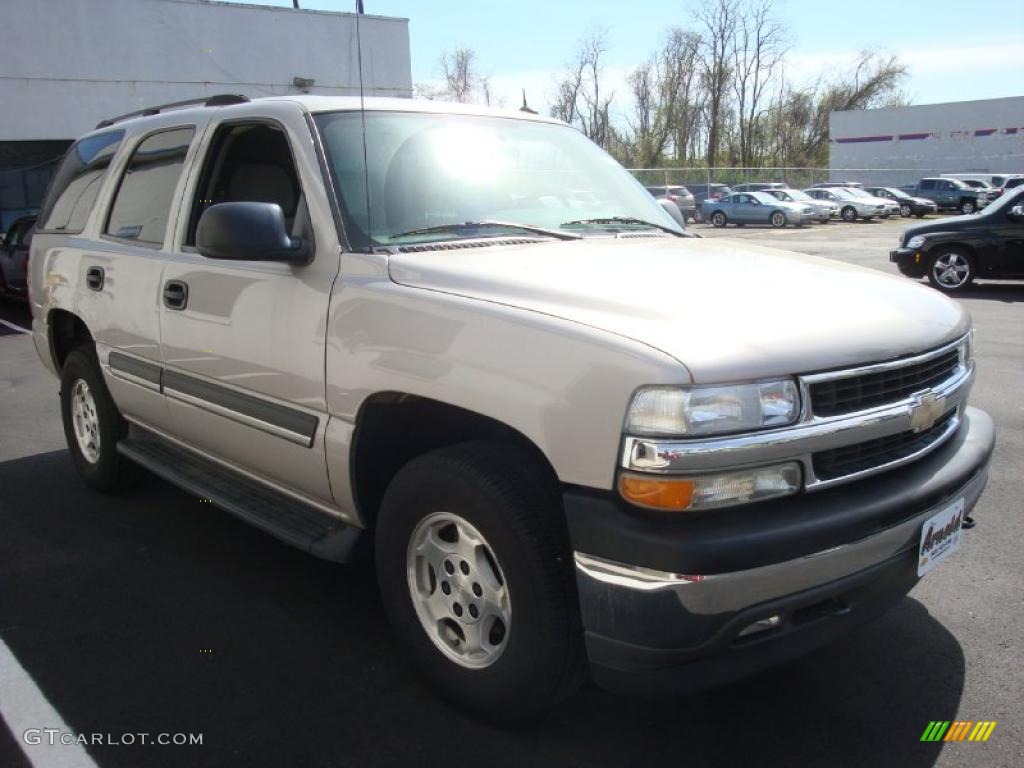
x: 982, y: 136
x: 67, y: 64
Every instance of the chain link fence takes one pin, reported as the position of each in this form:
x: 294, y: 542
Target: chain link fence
x: 798, y: 178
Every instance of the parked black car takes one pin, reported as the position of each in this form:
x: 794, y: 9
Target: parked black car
x: 909, y: 205
x: 952, y: 252
x: 14, y: 258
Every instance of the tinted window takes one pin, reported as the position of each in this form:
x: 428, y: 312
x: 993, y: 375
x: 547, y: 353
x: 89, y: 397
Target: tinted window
x: 143, y: 200
x: 77, y: 182
x: 927, y: 184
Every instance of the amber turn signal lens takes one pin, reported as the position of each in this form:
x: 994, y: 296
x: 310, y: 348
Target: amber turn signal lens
x: 656, y: 492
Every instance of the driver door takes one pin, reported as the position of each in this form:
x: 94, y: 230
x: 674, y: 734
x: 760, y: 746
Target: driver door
x: 243, y: 342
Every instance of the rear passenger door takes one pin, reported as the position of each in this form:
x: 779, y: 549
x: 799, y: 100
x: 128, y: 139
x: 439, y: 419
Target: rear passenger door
x: 120, y: 268
x: 243, y: 342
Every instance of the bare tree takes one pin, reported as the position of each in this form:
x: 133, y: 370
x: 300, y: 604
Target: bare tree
x: 458, y: 72
x: 716, y: 20
x: 757, y: 52
x: 580, y: 97
x: 462, y: 82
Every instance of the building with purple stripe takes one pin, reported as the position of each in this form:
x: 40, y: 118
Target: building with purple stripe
x: 898, y: 145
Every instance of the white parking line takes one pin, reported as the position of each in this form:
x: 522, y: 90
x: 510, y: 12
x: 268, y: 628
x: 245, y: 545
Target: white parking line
x: 24, y: 707
x: 14, y: 327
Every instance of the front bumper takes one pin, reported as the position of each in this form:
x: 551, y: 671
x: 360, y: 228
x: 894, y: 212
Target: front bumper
x: 911, y: 261
x: 671, y: 605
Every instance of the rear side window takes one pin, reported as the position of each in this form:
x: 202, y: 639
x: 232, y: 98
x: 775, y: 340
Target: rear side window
x: 77, y: 182
x: 142, y: 204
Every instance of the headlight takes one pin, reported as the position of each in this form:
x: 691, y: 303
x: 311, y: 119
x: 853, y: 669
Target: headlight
x: 916, y: 241
x: 713, y: 410
x: 967, y: 350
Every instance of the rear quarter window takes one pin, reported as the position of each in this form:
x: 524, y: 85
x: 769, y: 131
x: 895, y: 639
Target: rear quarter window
x: 77, y: 182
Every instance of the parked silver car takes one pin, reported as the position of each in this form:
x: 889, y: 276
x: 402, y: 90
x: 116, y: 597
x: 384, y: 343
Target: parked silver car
x: 825, y: 210
x: 851, y: 207
x: 889, y: 207
x: 756, y: 208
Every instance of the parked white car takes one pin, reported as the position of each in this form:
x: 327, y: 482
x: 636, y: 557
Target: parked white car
x: 891, y: 207
x: 824, y: 210
x: 851, y: 206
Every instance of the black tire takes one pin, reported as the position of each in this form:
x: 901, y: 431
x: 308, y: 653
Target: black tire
x: 967, y: 207
x: 499, y: 492
x: 719, y: 219
x: 905, y: 211
x: 110, y: 471
x: 958, y: 256
x: 849, y: 214
x: 777, y: 219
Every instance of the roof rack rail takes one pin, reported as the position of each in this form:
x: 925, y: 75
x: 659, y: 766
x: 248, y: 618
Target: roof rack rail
x: 220, y: 100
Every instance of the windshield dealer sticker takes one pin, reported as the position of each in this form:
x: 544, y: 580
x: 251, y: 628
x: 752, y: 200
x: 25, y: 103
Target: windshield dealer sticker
x: 940, y: 537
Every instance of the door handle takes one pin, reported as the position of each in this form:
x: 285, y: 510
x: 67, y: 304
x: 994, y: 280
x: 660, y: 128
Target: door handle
x: 94, y: 278
x: 175, y: 294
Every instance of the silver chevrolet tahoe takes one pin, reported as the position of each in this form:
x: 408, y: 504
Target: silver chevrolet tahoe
x: 574, y: 438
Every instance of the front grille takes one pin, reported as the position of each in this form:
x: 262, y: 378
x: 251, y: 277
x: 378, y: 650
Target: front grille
x: 858, y: 393
x: 859, y: 457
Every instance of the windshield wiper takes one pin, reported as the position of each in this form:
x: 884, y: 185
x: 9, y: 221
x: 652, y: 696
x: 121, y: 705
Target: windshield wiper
x: 626, y: 220
x: 441, y: 228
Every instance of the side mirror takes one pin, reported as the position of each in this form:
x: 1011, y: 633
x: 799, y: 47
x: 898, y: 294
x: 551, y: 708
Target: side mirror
x: 1017, y: 213
x: 248, y: 232
x: 673, y: 211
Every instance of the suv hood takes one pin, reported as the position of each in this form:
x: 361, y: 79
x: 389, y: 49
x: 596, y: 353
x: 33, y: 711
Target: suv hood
x: 727, y: 311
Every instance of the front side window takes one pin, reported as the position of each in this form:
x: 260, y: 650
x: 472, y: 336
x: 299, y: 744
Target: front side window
x: 143, y: 201
x: 248, y: 162
x: 77, y: 182
x: 429, y: 170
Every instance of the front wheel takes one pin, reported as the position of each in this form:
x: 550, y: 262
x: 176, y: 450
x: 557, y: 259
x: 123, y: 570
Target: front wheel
x: 475, y: 571
x: 849, y: 214
x: 951, y: 270
x: 718, y: 219
x: 967, y: 207
x: 92, y: 424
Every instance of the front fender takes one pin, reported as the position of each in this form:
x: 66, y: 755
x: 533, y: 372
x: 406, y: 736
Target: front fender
x: 563, y: 385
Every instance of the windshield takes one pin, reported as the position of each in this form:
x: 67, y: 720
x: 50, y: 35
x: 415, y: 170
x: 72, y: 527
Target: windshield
x: 429, y: 171
x: 764, y: 197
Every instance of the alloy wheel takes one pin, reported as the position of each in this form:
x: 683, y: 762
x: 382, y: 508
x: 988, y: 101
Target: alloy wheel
x: 458, y: 590
x: 85, y: 421
x: 951, y: 270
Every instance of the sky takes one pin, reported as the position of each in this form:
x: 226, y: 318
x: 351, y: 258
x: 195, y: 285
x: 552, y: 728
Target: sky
x: 954, y: 51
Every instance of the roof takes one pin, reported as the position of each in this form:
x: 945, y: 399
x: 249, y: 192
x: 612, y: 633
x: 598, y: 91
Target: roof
x: 318, y: 104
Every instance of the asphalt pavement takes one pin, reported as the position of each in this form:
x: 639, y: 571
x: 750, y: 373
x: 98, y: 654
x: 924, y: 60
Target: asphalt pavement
x: 151, y: 612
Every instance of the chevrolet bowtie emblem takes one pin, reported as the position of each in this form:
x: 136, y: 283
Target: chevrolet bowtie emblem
x: 926, y: 411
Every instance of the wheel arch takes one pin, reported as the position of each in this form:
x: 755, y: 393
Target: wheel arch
x: 65, y: 332
x: 393, y: 428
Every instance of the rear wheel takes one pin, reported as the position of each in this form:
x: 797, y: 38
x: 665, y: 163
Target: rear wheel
x: 849, y: 213
x: 474, y: 567
x: 951, y: 270
x: 905, y: 211
x: 778, y: 219
x: 718, y: 219
x: 92, y: 424
x: 967, y: 207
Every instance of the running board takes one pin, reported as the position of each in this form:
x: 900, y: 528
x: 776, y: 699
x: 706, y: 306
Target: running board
x: 293, y: 522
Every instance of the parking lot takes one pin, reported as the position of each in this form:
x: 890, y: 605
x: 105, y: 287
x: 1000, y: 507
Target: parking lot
x: 151, y: 612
